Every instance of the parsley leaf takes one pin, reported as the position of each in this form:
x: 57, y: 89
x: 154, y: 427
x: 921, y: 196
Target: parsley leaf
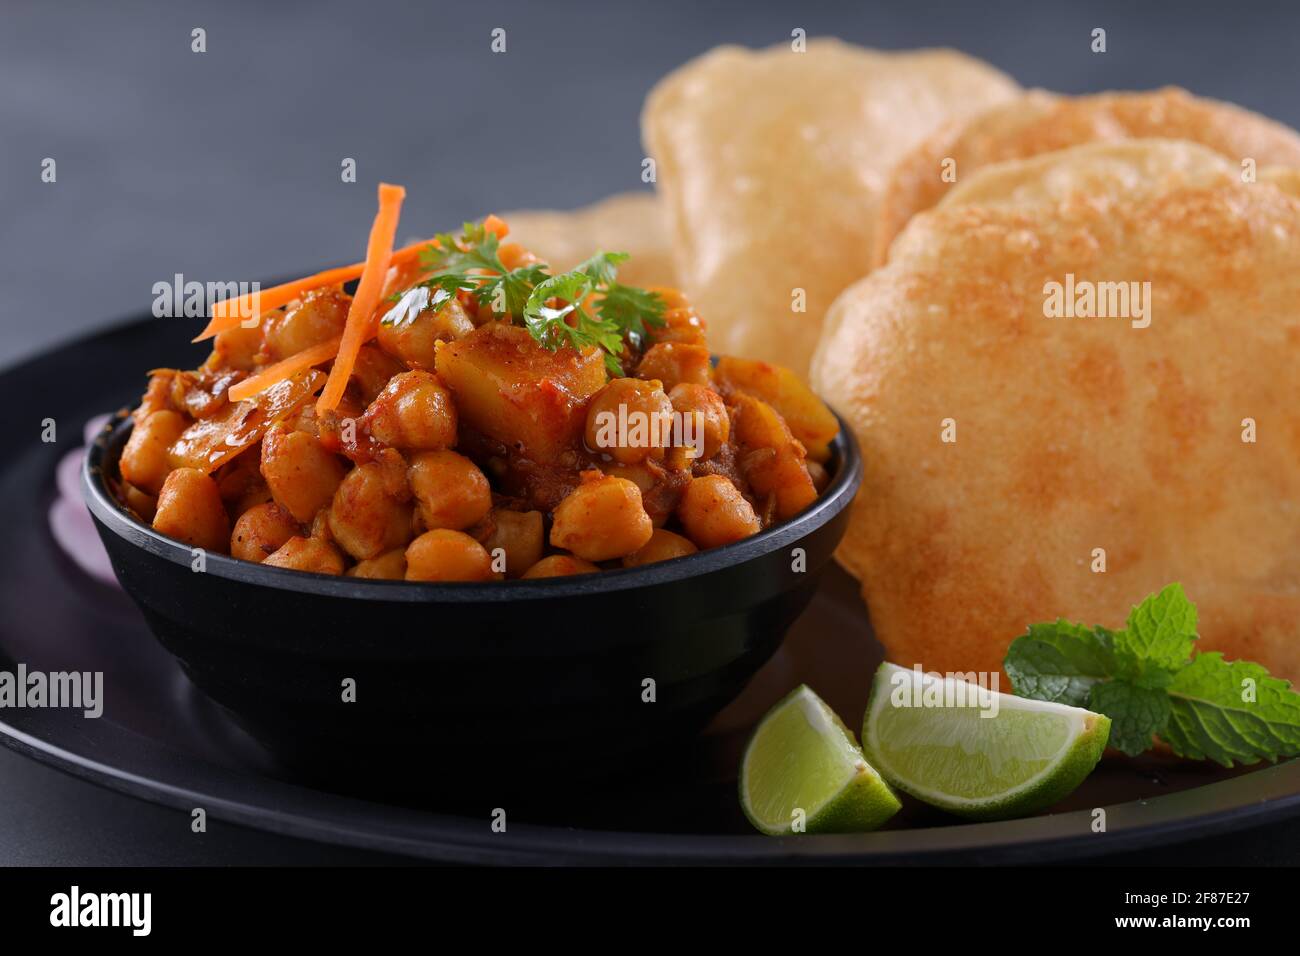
x: 1147, y: 681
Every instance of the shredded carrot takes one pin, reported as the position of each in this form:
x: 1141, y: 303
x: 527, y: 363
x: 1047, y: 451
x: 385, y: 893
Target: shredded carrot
x: 229, y: 313
x: 379, y: 253
x: 495, y: 224
x: 285, y: 368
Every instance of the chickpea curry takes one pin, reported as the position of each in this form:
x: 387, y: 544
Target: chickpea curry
x: 465, y: 415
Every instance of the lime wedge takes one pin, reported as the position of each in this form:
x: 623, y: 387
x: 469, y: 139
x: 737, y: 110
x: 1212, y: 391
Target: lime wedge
x: 1026, y: 756
x: 803, y: 772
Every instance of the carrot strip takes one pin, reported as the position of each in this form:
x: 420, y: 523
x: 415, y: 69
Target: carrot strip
x: 379, y: 253
x: 495, y: 224
x: 229, y: 313
x: 285, y: 368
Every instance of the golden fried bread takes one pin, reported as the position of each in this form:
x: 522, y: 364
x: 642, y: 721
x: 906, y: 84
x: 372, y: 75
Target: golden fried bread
x: 1041, y: 122
x: 771, y: 165
x: 627, y: 222
x: 1074, y: 434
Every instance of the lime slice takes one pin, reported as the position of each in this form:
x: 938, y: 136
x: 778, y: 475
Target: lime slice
x: 928, y: 737
x: 803, y: 772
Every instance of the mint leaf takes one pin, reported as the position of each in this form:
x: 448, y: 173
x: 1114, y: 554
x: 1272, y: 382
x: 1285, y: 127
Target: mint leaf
x: 1231, y: 710
x: 1157, y: 640
x: 1136, y: 713
x: 1146, y: 681
x: 1060, y: 662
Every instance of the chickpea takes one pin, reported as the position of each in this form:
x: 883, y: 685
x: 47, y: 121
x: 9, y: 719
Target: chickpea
x: 638, y: 408
x: 662, y: 546
x: 602, y: 518
x: 414, y: 342
x: 389, y: 566
x: 819, y: 475
x: 301, y: 474
x: 520, y: 535
x: 641, y: 474
x: 445, y: 555
x: 714, y: 512
x: 673, y: 297
x: 261, y: 531
x: 450, y: 490
x: 144, y: 505
x: 320, y: 526
x: 307, y: 554
x: 157, y: 395
x: 705, y: 416
x: 190, y: 509
x: 257, y: 494
x: 781, y: 473
x: 676, y: 362
x: 559, y: 566
x: 241, y: 483
x: 368, y: 516
x: 413, y: 410
x: 146, y: 461
x: 682, y: 325
x: 237, y: 348
x: 319, y: 317
x: 373, y: 370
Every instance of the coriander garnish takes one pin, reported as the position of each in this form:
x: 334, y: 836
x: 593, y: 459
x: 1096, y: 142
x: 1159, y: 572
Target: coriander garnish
x: 583, y: 307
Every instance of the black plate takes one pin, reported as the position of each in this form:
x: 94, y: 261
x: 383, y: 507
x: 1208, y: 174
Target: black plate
x: 161, y: 740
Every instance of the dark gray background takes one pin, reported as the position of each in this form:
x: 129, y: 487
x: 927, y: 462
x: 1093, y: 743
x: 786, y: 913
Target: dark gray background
x: 225, y: 166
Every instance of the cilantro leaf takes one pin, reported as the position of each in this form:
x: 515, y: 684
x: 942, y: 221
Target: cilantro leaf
x: 1136, y: 713
x: 1060, y: 662
x: 621, y: 310
x: 1231, y: 710
x: 475, y: 248
x: 415, y: 300
x: 632, y: 309
x: 603, y: 267
x: 548, y: 323
x: 472, y: 262
x: 507, y: 294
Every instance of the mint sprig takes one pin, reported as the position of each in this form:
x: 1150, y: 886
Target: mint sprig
x: 1148, y: 681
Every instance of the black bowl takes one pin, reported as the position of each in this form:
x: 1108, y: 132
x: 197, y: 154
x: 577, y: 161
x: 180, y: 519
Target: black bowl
x: 501, y: 687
